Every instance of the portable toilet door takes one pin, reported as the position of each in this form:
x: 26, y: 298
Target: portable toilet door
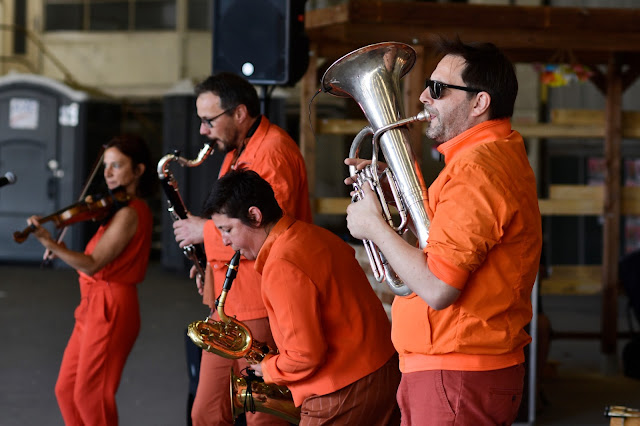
x: 42, y: 144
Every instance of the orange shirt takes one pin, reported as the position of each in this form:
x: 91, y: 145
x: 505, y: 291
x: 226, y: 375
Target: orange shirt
x: 272, y: 154
x: 329, y: 325
x: 130, y: 267
x: 485, y: 240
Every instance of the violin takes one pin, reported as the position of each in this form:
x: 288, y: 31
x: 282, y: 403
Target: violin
x: 94, y: 208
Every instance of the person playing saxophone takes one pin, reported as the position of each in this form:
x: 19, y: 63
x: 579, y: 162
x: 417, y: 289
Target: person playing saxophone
x: 332, y: 333
x: 229, y: 110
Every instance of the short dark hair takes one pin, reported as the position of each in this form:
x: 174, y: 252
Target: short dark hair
x: 234, y: 193
x: 233, y: 90
x: 487, y: 68
x: 138, y: 151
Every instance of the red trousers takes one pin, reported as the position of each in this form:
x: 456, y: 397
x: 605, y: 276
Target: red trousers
x: 106, y: 327
x: 461, y: 398
x: 369, y: 401
x: 212, y: 404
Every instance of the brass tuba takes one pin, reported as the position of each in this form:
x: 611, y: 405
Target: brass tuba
x: 175, y: 205
x: 371, y: 76
x: 231, y: 339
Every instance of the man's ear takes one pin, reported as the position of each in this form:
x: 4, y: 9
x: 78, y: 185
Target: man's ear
x: 481, y: 106
x: 241, y: 113
x: 256, y: 216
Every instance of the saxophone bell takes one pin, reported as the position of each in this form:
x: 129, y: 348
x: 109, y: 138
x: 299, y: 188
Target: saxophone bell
x: 250, y: 393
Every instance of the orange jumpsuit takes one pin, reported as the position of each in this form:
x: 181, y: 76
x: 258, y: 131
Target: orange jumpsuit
x: 485, y: 240
x: 330, y: 327
x: 107, y: 323
x: 271, y: 153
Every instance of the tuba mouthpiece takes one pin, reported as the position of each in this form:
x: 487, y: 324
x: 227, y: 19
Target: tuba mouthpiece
x: 422, y: 116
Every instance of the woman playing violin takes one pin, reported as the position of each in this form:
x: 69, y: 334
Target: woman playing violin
x: 107, y: 321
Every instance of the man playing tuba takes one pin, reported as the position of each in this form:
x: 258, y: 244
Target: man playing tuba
x: 332, y: 333
x: 461, y: 334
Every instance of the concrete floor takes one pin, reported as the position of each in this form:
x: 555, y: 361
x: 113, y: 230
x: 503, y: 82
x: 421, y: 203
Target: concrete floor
x: 36, y: 317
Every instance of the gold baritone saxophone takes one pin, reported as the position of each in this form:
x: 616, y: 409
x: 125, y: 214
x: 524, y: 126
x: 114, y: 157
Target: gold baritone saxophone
x: 230, y: 338
x: 175, y: 205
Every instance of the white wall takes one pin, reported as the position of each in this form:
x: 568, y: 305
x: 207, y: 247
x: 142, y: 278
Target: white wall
x: 130, y: 64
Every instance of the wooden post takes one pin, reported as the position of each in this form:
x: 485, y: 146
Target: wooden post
x: 612, y: 209
x: 308, y: 87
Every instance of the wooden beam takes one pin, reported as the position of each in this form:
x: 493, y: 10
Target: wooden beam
x: 580, y: 200
x: 564, y: 200
x: 308, y: 87
x: 331, y: 205
x: 536, y: 33
x: 337, y: 126
x: 570, y: 207
x: 572, y: 279
x: 612, y: 207
x: 591, y: 117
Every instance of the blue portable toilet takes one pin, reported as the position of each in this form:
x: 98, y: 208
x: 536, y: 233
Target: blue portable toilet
x: 50, y: 137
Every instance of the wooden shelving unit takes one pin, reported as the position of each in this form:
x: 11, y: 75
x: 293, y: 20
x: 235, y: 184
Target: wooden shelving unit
x: 608, y: 37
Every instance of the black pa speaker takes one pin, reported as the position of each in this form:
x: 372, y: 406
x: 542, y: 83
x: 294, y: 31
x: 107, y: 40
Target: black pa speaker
x: 264, y: 40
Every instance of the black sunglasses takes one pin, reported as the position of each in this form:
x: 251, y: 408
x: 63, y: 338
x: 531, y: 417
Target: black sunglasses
x: 435, y: 88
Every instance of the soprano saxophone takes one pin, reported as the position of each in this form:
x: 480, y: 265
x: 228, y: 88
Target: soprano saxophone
x: 175, y: 204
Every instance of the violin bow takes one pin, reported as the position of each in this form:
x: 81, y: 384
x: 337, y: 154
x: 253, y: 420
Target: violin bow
x: 61, y: 233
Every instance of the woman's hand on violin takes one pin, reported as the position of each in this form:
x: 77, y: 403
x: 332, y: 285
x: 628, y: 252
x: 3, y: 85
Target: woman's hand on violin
x: 42, y: 234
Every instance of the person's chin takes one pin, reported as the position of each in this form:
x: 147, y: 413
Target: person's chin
x: 248, y: 256
x: 223, y: 147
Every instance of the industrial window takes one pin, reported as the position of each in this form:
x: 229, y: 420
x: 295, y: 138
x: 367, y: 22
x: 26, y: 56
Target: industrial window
x: 20, y: 22
x: 199, y: 14
x: 110, y: 15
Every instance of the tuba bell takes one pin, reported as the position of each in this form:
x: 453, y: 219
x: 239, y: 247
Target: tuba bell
x: 371, y: 76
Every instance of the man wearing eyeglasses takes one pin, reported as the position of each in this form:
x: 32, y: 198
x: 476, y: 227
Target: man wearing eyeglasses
x: 461, y: 335
x: 229, y: 111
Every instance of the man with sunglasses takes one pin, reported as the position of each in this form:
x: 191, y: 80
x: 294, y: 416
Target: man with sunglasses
x: 229, y: 111
x: 461, y: 335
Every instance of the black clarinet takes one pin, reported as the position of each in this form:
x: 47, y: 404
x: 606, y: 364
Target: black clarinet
x: 175, y: 204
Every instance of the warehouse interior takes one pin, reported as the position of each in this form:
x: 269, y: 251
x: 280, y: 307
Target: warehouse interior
x: 98, y: 68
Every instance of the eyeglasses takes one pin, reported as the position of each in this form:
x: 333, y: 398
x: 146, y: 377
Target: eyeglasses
x: 435, y: 88
x: 209, y: 121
